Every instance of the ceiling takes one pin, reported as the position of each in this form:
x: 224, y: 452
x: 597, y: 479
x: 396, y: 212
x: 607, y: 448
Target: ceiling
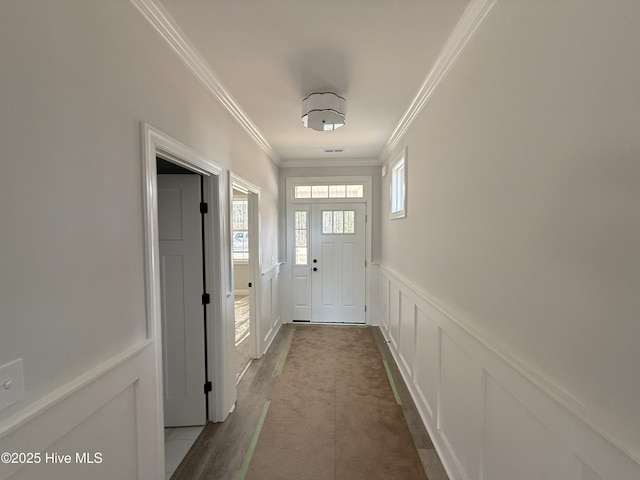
x: 269, y: 55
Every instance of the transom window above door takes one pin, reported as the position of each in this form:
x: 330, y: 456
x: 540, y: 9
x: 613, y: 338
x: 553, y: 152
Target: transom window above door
x: 328, y: 191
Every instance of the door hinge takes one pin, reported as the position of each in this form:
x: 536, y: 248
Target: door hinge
x: 204, y: 207
x: 208, y: 387
x: 365, y: 308
x: 365, y: 264
x: 206, y: 299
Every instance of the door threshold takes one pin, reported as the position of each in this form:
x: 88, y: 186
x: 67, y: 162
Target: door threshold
x: 333, y: 324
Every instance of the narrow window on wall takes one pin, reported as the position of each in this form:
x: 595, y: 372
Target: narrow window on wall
x: 301, y: 232
x: 240, y: 234
x: 398, y: 186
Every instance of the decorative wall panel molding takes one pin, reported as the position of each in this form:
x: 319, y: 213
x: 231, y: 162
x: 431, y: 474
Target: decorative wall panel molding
x: 270, y: 320
x: 489, y: 416
x: 118, y: 389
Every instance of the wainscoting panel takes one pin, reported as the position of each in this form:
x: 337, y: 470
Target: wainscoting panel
x: 516, y: 443
x: 394, y: 315
x: 107, y: 416
x: 105, y: 437
x: 383, y: 315
x: 586, y: 473
x: 490, y: 416
x: 269, y: 318
x: 407, y: 332
x: 459, y: 399
x: 427, y: 367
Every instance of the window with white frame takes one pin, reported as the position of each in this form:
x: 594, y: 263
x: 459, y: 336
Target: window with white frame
x: 240, y: 233
x: 399, y: 186
x: 328, y: 191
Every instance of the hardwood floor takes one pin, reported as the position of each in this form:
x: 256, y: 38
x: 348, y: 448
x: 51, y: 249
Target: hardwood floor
x: 241, y: 312
x: 430, y: 460
x: 219, y: 451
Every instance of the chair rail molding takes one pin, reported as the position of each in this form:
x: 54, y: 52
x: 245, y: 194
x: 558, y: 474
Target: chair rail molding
x: 488, y: 412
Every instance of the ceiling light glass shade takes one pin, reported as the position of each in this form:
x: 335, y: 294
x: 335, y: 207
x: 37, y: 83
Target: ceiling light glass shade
x: 323, y: 111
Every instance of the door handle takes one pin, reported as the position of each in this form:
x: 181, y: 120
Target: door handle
x: 315, y: 260
x: 250, y: 284
x: 315, y: 269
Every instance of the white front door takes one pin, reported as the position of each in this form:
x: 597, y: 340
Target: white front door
x: 337, y: 262
x: 180, y: 233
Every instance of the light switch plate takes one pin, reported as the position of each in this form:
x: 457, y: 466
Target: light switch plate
x: 11, y: 383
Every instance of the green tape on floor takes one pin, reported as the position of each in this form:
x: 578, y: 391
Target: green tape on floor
x: 283, y: 358
x: 393, y: 384
x: 252, y: 446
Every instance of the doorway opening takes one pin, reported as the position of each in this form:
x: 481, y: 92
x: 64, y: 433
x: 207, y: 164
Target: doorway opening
x: 241, y: 279
x: 183, y: 286
x: 216, y: 386
x: 244, y: 202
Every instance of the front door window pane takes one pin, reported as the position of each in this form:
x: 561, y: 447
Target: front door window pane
x: 349, y: 222
x: 327, y: 222
x: 338, y: 222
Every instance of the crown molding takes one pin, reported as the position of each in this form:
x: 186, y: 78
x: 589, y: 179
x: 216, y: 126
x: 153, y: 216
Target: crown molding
x: 467, y: 26
x: 330, y: 162
x: 161, y: 21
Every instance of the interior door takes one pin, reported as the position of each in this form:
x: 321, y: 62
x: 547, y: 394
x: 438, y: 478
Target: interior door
x: 338, y: 262
x: 180, y: 234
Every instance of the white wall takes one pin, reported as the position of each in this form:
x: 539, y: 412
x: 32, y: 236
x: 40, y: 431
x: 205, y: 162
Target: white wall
x: 523, y: 226
x: 76, y: 79
x: 240, y: 278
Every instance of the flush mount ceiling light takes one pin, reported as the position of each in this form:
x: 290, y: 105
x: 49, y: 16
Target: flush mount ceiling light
x: 323, y: 111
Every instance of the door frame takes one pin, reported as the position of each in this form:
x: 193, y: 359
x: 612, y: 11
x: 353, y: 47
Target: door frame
x: 289, y: 241
x: 255, y: 258
x: 156, y: 143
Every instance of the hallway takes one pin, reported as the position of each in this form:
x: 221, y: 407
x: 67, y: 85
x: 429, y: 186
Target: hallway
x: 355, y: 360
x: 494, y: 145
